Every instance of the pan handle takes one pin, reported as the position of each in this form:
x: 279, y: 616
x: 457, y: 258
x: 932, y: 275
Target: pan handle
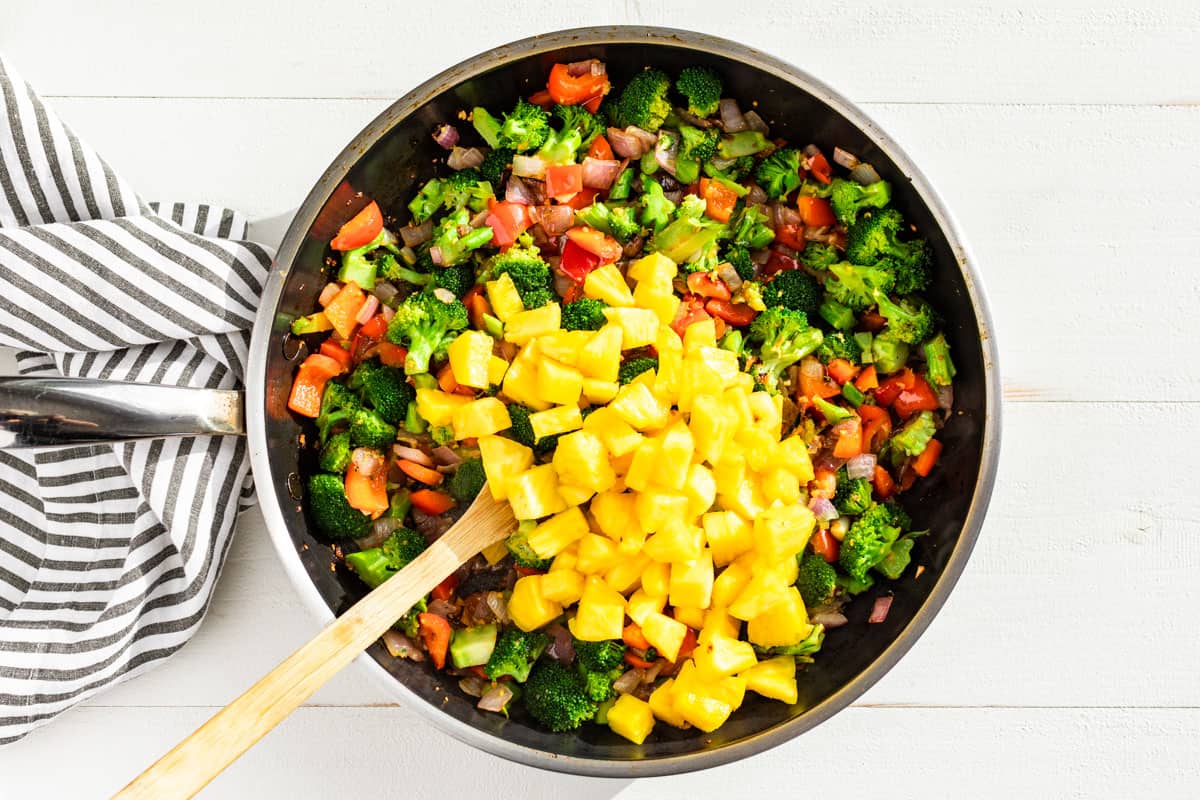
x: 49, y: 412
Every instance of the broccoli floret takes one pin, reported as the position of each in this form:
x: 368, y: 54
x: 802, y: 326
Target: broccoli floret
x: 391, y: 269
x: 786, y: 337
x: 690, y: 235
x: 368, y: 429
x: 376, y: 564
x: 939, y: 368
x: 529, y: 273
x: 854, y: 285
x: 584, y: 314
x: 848, y: 198
x: 495, y: 164
x: 453, y: 247
x: 561, y: 147
x: 557, y: 697
x: 914, y: 436
x: 634, y: 367
x: 870, y: 538
x: 331, y: 511
x: 620, y: 222
x: 357, y: 268
x: 338, y: 404
x: 657, y: 208
x: 803, y: 650
x: 578, y: 118
x: 741, y: 168
x: 746, y: 143
x: 751, y: 229
x: 388, y: 393
x: 644, y: 101
x: 702, y: 88
x: 526, y: 127
x: 522, y: 430
x: 467, y: 480
x: 814, y: 188
x: 853, y: 495
x: 698, y: 144
x: 739, y: 258
x: 819, y: 256
x: 888, y: 351
x: 518, y: 547
x: 458, y: 279
x: 600, y: 663
x: 425, y: 325
x: 876, y: 238
x: 839, y: 345
x: 335, y: 455
x: 911, y: 319
x: 515, y: 653
x: 428, y: 201
x: 817, y: 581
x: 779, y: 173
x: 794, y: 289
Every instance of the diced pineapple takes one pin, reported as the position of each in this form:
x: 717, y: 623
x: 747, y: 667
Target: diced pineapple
x: 600, y: 358
x: 616, y: 434
x: 627, y: 572
x: 722, y: 362
x: 632, y: 541
x: 670, y: 364
x: 768, y: 411
x: 730, y: 584
x: 637, y: 405
x: 566, y: 559
x: 696, y: 379
x: 705, y: 712
x: 689, y: 615
x: 722, y: 656
x: 700, y: 488
x: 675, y: 456
x: 563, y: 346
x: 747, y: 500
x: 664, y: 634
x: 608, y: 284
x: 758, y: 446
x: 728, y: 535
x: 528, y: 607
x: 679, y: 542
x: 497, y: 367
x: 554, y: 535
x: 614, y: 513
x: 699, y: 334
x: 557, y: 383
x: 662, y: 703
x: 599, y: 392
x: 658, y: 298
x: 469, y: 354
x: 574, y: 495
x: 523, y: 326
x: 711, y: 427
x: 597, y: 554
x: 562, y: 586
x: 520, y: 384
x: 774, y: 678
x: 642, y: 465
x: 502, y: 459
x: 761, y: 594
x: 779, y: 484
x: 656, y: 579
x: 658, y: 510
x: 481, y: 417
x: 639, y: 326
x: 437, y: 407
x: 692, y: 582
x: 504, y: 298
x: 600, y: 614
x: 642, y: 603
x: 533, y: 494
x: 655, y: 268
x: 717, y: 622
x: 581, y: 459
x: 631, y: 718
x: 559, y: 419
x: 792, y: 455
x: 494, y: 553
x: 782, y: 531
x: 782, y: 624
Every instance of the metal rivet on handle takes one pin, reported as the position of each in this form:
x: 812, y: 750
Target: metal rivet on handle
x: 295, y: 486
x: 293, y: 347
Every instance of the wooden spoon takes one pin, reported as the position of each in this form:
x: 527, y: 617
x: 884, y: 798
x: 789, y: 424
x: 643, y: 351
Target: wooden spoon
x: 216, y: 744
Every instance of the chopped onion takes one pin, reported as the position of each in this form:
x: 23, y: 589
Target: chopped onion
x: 368, y: 310
x: 443, y: 608
x: 732, y: 119
x: 756, y: 123
x: 593, y: 66
x: 845, y: 158
x: 445, y: 456
x: 367, y: 462
x: 675, y: 195
x: 495, y: 601
x: 830, y: 619
x: 879, y: 611
x: 652, y: 671
x: 861, y: 466
x: 644, y: 136
x: 629, y: 681
x: 823, y: 509
x: 517, y: 191
x: 386, y: 237
x: 477, y: 221
x: 665, y: 151
x: 783, y: 215
x: 386, y: 292
x: 865, y: 174
x: 495, y: 699
x: 727, y: 273
x: 446, y: 135
x: 697, y: 122
x: 561, y: 647
x: 599, y: 173
x: 387, y: 312
x: 945, y: 397
x: 445, y: 295
x: 820, y: 234
x: 435, y: 255
x: 414, y: 235
x: 413, y: 454
x: 756, y: 196
x: 838, y: 528
x: 464, y: 158
x: 473, y: 686
x: 625, y: 145
x: 328, y: 293
x: 381, y: 529
x: 400, y: 646
x: 528, y: 166
x: 555, y: 220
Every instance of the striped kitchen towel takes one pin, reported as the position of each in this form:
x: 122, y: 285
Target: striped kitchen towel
x: 108, y: 554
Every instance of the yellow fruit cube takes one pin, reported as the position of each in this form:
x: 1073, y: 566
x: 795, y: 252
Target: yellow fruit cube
x: 779, y: 484
x: 689, y: 615
x: 632, y: 541
x: 695, y: 380
x: 747, y: 500
x: 636, y: 405
x: 558, y: 383
x: 528, y: 607
x: 581, y: 459
x: 680, y: 541
x: 597, y: 554
x: 608, y: 284
x: 562, y: 586
x: 758, y: 446
x: 614, y: 513
x: 792, y: 455
x: 699, y: 334
x: 656, y: 579
x: 554, y: 535
x: 642, y: 604
x: 730, y: 584
x: 705, y: 712
x: 782, y: 531
x: 533, y: 494
x: 566, y: 559
x: 737, y: 408
x: 600, y: 358
x: 655, y: 267
x: 574, y: 495
x: 761, y: 594
x: 627, y: 572
x: 664, y: 634
x: 710, y: 426
x: 642, y: 466
x: 437, y: 407
x: 730, y: 472
x: 497, y: 367
x: 502, y: 459
x: 717, y: 622
x: 481, y: 417
x: 675, y: 456
x: 563, y: 346
x: 782, y: 624
x: 469, y: 354
x: 723, y: 363
x: 692, y: 582
x: 658, y: 510
x: 662, y: 703
x: 600, y: 614
x: 700, y: 488
x: 728, y: 536
x: 504, y: 298
x: 520, y: 384
x: 559, y: 419
x: 631, y: 718
x: 494, y: 553
x: 616, y: 434
x: 525, y: 325
x: 639, y: 326
x: 598, y: 392
x: 663, y: 302
x: 774, y: 678
x: 722, y: 656
x: 768, y: 411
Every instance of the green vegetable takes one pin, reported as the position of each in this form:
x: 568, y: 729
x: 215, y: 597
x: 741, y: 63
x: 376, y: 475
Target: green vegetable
x: 466, y: 188
x: 818, y: 256
x: 839, y: 345
x: 644, y: 101
x: 848, y: 198
x: 338, y: 404
x: 518, y: 547
x: 698, y: 144
x: 522, y: 430
x: 888, y: 351
x: 456, y: 248
x: 745, y: 143
x: 357, y: 268
x: 811, y: 644
x: 863, y: 340
x: 940, y: 369
x: 390, y: 268
x: 387, y: 391
x: 623, y: 185
x: 750, y: 229
x: 793, y: 289
x: 779, y: 173
x: 599, y: 663
x: 832, y: 412
x: 458, y: 279
x: 634, y: 367
x: 472, y: 647
x: 738, y: 257
x: 584, y: 314
x: 309, y: 324
x: 376, y: 564
x: 515, y: 653
x: 852, y: 394
x: 467, y: 481
x: 331, y: 511
x: 870, y: 539
x: 531, y: 276
x: 853, y: 495
x: 911, y: 319
x: 854, y: 285
x: 875, y: 239
x: 487, y: 126
x: 495, y: 164
x: 657, y: 209
x: 557, y: 697
x: 526, y: 127
x: 914, y: 436
x: 690, y: 235
x: 620, y: 222
x: 578, y: 118
x: 785, y: 337
x: 425, y: 325
x: 428, y: 201
x: 335, y: 455
x: 702, y: 88
x: 838, y: 316
x: 399, y: 504
x: 816, y: 580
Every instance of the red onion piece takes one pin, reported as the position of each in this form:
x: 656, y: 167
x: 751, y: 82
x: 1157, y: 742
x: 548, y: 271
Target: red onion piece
x: 674, y: 196
x: 414, y: 235
x: 823, y: 509
x: 830, y: 619
x: 665, y: 151
x: 400, y: 646
x: 865, y: 174
x: 879, y: 612
x: 443, y: 608
x: 495, y: 699
x: 473, y: 686
x: 435, y: 255
x: 652, y: 672
x: 380, y: 530
x: 756, y: 196
x: 561, y: 647
x: 629, y: 681
x: 445, y: 456
x: 528, y: 166
x: 446, y: 135
x: 495, y: 601
x: 517, y: 191
x: 783, y: 214
x: 387, y: 312
x: 555, y: 220
x: 592, y: 66
x: 328, y: 293
x: 727, y: 273
x: 945, y: 397
x: 732, y: 119
x: 385, y: 291
x: 755, y: 123
x: 464, y: 158
x: 477, y: 221
x: 599, y: 173
x: 368, y: 310
x: 367, y: 462
x: 844, y: 158
x: 696, y: 122
x: 413, y: 454
x: 861, y: 466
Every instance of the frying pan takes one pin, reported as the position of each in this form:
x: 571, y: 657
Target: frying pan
x: 385, y: 162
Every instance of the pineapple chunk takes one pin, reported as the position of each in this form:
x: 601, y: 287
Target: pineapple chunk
x: 608, y: 284
x: 664, y: 633
x: 642, y: 465
x: 600, y: 358
x: 728, y: 536
x: 774, y: 678
x: 469, y: 354
x: 597, y: 554
x: 705, y: 712
x: 722, y: 656
x: 437, y: 407
x: 700, y: 488
x: 563, y: 346
x: 696, y: 379
x: 681, y: 541
x: 692, y: 582
x: 599, y: 392
x: 614, y: 513
x: 768, y: 411
x: 711, y: 427
x: 782, y: 531
x: 616, y: 434
x: 557, y: 533
x: 730, y: 472
x: 655, y: 268
x: 758, y: 445
x: 581, y: 459
x: 699, y: 334
x: 631, y: 718
x: 558, y: 383
x: 600, y: 614
x: 502, y: 459
x: 658, y: 510
x: 497, y: 367
x: 639, y: 326
x: 642, y: 604
x: 670, y: 364
x: 782, y: 624
x: 637, y: 405
x: 792, y: 455
x: 574, y: 495
x: 762, y: 593
x: 659, y: 298
x: 520, y: 384
x: 494, y: 553
x: 528, y: 607
x: 689, y: 615
x: 656, y: 579
x: 737, y: 409
x: 717, y: 622
x: 562, y: 586
x: 662, y: 703
x: 533, y: 494
x: 565, y: 560
x: 675, y: 456
x: 747, y: 500
x: 481, y: 417
x: 723, y: 363
x: 505, y: 299
x: 555, y: 420
x: 730, y: 584
x: 779, y: 484
x: 520, y: 328
x: 627, y: 572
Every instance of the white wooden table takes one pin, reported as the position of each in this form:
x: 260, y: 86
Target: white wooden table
x: 1064, y: 137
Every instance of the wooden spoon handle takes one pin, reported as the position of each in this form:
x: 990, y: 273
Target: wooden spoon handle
x: 216, y: 744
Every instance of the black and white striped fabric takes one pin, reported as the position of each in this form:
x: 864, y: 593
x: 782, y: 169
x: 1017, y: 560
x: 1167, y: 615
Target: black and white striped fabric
x: 108, y: 554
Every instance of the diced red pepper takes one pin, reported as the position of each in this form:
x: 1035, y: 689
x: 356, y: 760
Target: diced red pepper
x: 877, y: 427
x: 507, y: 221
x: 338, y: 353
x: 842, y: 370
x: 600, y: 148
x: 705, y: 285
x: 571, y: 90
x: 719, y: 199
x: 309, y: 384
x: 362, y: 228
x: 791, y: 235
x: 525, y: 572
x: 824, y: 545
x: 691, y: 310
x: 632, y: 635
x: 435, y: 633
x: 431, y: 501
x: 818, y: 165
x: 928, y: 458
x: 595, y: 242
x: 391, y: 355
x: 885, y: 487
x: 582, y: 199
x: 564, y: 180
x: 919, y: 397
x: 446, y: 588
x: 576, y: 262
x: 736, y: 314
x: 815, y: 211
x: 420, y: 472
x: 778, y: 262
